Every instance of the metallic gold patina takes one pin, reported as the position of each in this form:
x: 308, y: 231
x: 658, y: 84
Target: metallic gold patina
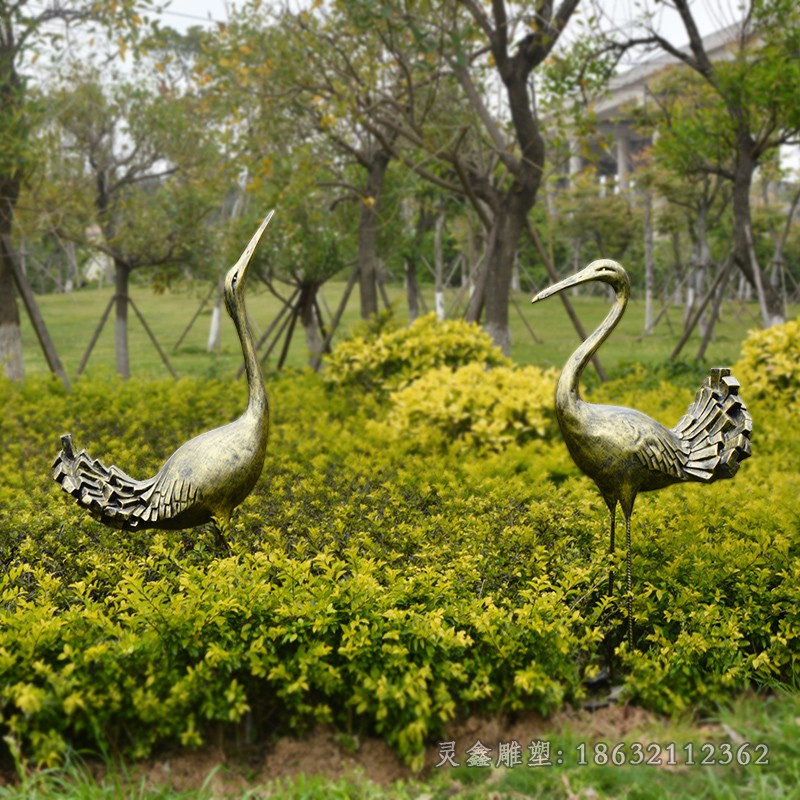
x: 626, y: 452
x: 203, y: 480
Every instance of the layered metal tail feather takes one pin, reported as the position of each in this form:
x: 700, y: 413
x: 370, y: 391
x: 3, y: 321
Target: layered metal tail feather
x: 717, y: 428
x: 107, y: 493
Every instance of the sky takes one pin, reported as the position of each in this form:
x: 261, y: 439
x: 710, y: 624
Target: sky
x: 182, y: 14
x: 710, y: 14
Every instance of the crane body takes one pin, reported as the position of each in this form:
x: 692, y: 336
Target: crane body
x: 205, y: 478
x: 625, y: 451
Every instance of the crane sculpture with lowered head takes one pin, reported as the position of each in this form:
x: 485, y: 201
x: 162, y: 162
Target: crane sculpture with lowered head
x: 626, y: 452
x: 205, y: 478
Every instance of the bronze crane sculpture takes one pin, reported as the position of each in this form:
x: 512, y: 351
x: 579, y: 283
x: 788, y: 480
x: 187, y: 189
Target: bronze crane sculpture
x: 205, y: 478
x: 626, y: 452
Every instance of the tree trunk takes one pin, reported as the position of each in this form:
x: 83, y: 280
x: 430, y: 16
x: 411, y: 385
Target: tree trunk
x: 704, y: 262
x: 478, y: 277
x: 121, y: 277
x: 11, y: 100
x: 649, y: 278
x: 410, y: 262
x: 511, y: 205
x: 748, y: 152
x: 72, y: 267
x: 473, y: 255
x: 10, y: 336
x: 310, y: 322
x: 516, y: 285
x: 368, y: 235
x: 677, y: 265
x: 215, y: 327
x: 438, y: 261
x: 772, y: 311
x: 412, y: 290
x: 499, y: 266
x: 699, y: 279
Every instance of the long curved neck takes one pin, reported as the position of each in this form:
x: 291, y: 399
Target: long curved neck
x: 258, y: 402
x: 568, y: 390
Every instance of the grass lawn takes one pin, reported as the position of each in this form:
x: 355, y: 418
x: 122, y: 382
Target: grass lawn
x: 72, y: 319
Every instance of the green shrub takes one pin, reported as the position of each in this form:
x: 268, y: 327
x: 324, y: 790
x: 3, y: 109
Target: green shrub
x: 165, y: 651
x: 720, y: 610
x: 473, y: 406
x: 363, y: 592
x: 396, y: 357
x: 770, y: 363
x: 379, y: 587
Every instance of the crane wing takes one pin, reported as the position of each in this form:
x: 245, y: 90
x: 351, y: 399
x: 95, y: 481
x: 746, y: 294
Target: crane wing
x: 114, y: 497
x: 709, y: 441
x: 166, y: 498
x: 716, y: 427
x: 662, y: 452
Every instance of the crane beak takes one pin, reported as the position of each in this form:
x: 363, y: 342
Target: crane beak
x: 244, y: 260
x: 573, y: 280
x: 603, y: 269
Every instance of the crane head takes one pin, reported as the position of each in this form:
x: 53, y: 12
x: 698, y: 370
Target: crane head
x: 234, y: 280
x: 604, y: 269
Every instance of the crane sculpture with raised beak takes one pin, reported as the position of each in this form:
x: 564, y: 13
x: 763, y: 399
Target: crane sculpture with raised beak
x: 626, y: 452
x: 203, y: 480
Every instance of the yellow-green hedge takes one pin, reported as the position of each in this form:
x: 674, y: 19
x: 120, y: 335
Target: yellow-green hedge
x: 770, y: 363
x: 393, y: 358
x: 380, y: 587
x: 475, y: 407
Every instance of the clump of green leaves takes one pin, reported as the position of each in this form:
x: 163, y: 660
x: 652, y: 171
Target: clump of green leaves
x: 396, y: 357
x: 472, y: 406
x: 770, y: 363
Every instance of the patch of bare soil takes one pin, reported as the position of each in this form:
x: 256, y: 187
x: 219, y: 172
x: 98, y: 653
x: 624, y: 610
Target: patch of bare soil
x: 333, y: 755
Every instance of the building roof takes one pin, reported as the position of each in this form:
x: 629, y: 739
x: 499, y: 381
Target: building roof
x: 631, y: 86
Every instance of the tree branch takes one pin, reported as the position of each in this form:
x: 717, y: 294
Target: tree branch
x: 484, y: 23
x: 400, y: 155
x: 501, y: 144
x: 702, y: 62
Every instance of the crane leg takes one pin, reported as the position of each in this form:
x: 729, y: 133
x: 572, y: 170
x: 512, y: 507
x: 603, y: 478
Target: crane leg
x: 611, y: 551
x: 609, y: 642
x: 629, y: 581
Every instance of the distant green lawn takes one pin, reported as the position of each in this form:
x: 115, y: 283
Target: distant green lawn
x: 72, y: 319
